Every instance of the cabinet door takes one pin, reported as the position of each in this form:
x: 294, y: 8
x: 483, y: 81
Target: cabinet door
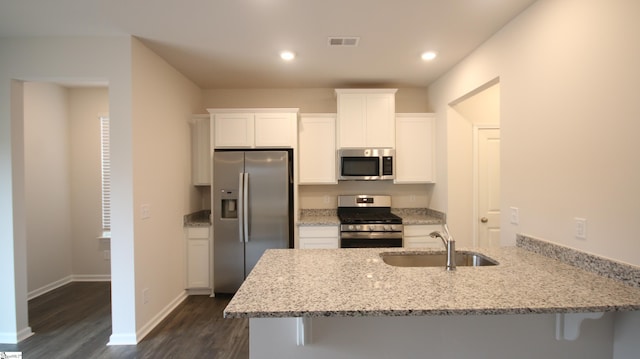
x: 198, y: 263
x: 319, y: 237
x: 275, y: 129
x: 366, y: 117
x: 317, y: 149
x: 352, y: 120
x: 415, y: 148
x: 380, y: 114
x: 200, y: 151
x: 417, y: 236
x: 234, y: 130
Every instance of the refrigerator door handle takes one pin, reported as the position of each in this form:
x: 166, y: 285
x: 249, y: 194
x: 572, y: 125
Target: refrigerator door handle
x: 245, y: 213
x: 240, y: 206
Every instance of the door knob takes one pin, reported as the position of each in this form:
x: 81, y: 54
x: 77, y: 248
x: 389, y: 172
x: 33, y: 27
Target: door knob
x: 484, y: 219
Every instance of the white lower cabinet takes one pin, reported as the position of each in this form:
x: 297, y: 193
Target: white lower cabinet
x: 314, y: 237
x: 417, y: 236
x: 198, y: 257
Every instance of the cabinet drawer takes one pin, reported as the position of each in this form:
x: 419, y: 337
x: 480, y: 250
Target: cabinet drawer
x: 197, y: 232
x: 318, y: 231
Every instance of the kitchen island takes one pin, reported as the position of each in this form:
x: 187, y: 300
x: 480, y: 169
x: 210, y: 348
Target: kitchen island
x: 348, y: 303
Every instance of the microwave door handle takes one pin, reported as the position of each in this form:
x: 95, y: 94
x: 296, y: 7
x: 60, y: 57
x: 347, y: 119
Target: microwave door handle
x: 240, y: 206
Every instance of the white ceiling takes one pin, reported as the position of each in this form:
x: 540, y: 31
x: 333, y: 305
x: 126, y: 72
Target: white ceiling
x: 236, y: 43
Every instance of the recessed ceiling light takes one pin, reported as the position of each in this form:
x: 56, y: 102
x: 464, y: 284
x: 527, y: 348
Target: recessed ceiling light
x: 287, y: 55
x: 429, y: 55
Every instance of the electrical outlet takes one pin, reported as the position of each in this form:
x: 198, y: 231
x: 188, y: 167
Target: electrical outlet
x: 106, y: 254
x: 327, y: 199
x: 581, y: 228
x: 412, y: 198
x: 515, y: 215
x: 145, y: 295
x: 145, y: 210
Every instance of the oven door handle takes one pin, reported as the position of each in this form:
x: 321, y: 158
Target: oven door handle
x: 371, y: 235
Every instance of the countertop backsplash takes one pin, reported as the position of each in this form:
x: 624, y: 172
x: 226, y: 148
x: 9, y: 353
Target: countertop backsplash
x: 324, y: 217
x: 623, y: 272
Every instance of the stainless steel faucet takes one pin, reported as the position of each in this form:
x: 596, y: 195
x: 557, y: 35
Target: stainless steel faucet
x: 449, y: 245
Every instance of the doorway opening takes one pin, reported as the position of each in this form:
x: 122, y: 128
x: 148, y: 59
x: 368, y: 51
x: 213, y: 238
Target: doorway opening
x: 475, y: 138
x: 62, y: 181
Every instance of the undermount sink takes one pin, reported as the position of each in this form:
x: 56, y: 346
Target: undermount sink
x: 435, y: 259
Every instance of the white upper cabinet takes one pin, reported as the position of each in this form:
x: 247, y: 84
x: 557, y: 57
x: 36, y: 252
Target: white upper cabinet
x: 275, y: 129
x: 415, y: 148
x: 366, y: 117
x: 200, y: 150
x: 317, y: 149
x: 254, y: 128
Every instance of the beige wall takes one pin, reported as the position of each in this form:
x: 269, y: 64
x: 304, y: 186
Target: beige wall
x: 569, y: 114
x: 48, y: 205
x: 308, y: 100
x: 164, y: 101
x: 403, y: 196
x: 568, y: 75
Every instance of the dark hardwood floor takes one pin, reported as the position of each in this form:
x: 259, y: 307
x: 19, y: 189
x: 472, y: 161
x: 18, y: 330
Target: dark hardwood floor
x: 74, y: 321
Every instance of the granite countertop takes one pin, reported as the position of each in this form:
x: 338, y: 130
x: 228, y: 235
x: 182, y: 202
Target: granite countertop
x: 318, y: 217
x: 198, y: 219
x: 329, y: 217
x: 419, y: 216
x: 356, y: 282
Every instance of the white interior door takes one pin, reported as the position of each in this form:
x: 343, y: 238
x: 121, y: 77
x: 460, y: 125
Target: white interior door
x: 488, y: 174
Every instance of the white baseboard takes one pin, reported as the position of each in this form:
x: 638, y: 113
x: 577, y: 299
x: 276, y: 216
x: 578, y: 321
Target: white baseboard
x: 122, y: 339
x: 66, y: 280
x: 204, y: 291
x: 147, y: 328
x: 49, y: 287
x: 15, y: 338
x: 91, y: 277
x: 24, y: 334
x: 114, y: 339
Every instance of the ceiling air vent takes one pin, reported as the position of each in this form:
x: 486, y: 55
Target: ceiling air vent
x: 344, y: 41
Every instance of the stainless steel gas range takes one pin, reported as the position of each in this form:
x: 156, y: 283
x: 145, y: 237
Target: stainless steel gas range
x: 366, y: 221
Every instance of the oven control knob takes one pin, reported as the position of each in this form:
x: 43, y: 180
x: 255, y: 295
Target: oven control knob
x: 359, y: 227
x: 351, y: 227
x: 387, y: 228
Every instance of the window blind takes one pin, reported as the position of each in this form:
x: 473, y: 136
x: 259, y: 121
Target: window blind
x: 106, y: 174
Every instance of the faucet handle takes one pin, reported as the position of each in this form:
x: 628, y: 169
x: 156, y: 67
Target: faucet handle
x: 446, y: 231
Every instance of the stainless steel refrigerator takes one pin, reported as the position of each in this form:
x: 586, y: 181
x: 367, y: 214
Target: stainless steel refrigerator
x: 252, y: 211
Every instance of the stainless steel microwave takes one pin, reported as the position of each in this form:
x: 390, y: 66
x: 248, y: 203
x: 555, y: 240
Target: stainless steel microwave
x: 366, y: 164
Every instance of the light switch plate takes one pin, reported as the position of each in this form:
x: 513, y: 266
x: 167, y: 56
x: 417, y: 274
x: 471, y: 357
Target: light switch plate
x: 515, y: 215
x: 145, y: 210
x: 581, y: 228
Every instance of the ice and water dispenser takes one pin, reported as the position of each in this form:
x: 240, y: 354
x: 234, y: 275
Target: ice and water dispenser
x: 229, y: 203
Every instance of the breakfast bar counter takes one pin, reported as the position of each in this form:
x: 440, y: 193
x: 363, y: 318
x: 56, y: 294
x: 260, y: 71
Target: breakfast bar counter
x: 356, y: 283
x: 348, y: 303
